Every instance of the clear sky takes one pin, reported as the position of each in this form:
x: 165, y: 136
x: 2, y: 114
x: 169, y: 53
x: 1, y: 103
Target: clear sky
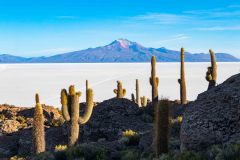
x: 46, y: 27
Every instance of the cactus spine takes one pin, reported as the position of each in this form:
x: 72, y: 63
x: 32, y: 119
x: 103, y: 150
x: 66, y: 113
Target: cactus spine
x: 137, y: 92
x: 70, y: 111
x: 161, y: 127
x: 154, y: 80
x: 182, y: 81
x: 211, y: 74
x: 38, y: 128
x: 119, y: 91
x: 143, y: 101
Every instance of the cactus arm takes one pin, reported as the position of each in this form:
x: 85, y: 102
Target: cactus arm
x: 72, y: 90
x: 89, y: 108
x: 179, y: 81
x: 133, y: 98
x: 150, y: 80
x: 64, y: 102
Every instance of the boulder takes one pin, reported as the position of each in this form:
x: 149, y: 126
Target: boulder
x: 214, y: 118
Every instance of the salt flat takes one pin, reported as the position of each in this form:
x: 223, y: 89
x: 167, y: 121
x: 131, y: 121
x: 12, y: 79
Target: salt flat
x: 19, y: 82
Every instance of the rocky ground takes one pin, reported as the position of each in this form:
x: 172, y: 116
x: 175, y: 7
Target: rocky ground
x: 210, y: 124
x: 108, y: 121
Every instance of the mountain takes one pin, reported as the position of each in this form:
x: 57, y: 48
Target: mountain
x: 121, y: 50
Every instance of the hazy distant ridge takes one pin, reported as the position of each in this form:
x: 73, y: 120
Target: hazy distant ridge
x: 121, y: 50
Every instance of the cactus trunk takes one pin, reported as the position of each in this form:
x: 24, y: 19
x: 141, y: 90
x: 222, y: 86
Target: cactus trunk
x: 137, y: 93
x: 161, y: 127
x: 38, y: 128
x: 182, y: 82
x: 154, y: 80
x: 74, y: 126
x: 211, y: 75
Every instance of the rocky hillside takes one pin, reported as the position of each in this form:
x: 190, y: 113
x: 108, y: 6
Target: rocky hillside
x: 214, y: 118
x: 105, y: 128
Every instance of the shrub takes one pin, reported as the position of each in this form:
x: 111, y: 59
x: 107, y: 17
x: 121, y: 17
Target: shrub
x: 130, y: 155
x: 231, y: 152
x: 45, y: 156
x: 20, y: 119
x: 60, y: 147
x: 57, y: 122
x: 188, y: 155
x: 165, y: 157
x: 86, y: 151
x: 130, y: 137
x: 60, y: 152
x: 17, y: 158
x: 2, y: 117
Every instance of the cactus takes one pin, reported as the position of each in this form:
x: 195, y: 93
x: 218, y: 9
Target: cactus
x: 211, y: 74
x: 161, y: 127
x: 154, y: 80
x: 181, y: 81
x: 133, y: 98
x: 70, y: 111
x: 137, y: 93
x: 119, y: 91
x: 143, y: 101
x: 86, y: 86
x: 38, y: 128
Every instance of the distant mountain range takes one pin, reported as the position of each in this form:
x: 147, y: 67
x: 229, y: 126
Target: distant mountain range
x: 121, y: 50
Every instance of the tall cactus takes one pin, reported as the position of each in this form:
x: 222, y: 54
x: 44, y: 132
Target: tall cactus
x: 211, y: 74
x: 70, y: 111
x: 119, y: 91
x: 182, y: 81
x: 161, y: 127
x: 154, y: 80
x: 137, y: 93
x: 38, y: 128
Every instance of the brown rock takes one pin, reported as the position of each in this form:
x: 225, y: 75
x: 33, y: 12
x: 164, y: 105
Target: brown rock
x: 9, y: 126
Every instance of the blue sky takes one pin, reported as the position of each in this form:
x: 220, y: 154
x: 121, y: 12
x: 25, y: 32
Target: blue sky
x: 46, y: 27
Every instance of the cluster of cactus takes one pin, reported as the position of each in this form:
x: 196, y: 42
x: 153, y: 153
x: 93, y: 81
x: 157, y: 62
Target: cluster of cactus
x: 161, y: 126
x: 70, y: 110
x: 211, y: 74
x: 182, y: 81
x: 38, y: 128
x: 120, y: 92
